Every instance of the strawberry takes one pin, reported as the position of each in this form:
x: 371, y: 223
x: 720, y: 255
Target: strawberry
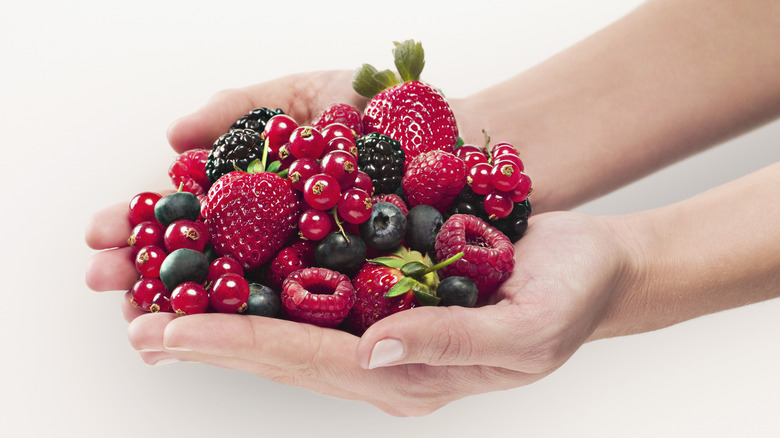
x: 390, y: 284
x: 434, y: 178
x: 412, y: 112
x: 251, y: 216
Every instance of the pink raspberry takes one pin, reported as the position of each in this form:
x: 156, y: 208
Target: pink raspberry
x: 434, y: 178
x: 340, y: 113
x: 188, y: 170
x: 317, y: 296
x: 488, y: 257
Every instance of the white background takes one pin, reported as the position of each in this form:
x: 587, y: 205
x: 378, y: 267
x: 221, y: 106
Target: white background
x: 87, y: 90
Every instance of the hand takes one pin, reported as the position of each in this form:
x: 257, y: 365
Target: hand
x: 568, y: 266
x: 302, y: 96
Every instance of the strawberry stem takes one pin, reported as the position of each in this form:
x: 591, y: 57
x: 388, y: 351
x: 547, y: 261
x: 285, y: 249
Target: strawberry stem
x: 439, y: 265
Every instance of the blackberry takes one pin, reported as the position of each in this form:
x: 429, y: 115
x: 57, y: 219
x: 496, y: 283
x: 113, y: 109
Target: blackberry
x: 513, y: 226
x: 234, y: 149
x: 256, y: 119
x: 382, y: 159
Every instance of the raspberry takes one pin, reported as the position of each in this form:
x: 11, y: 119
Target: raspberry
x: 343, y: 113
x: 317, y: 296
x: 488, y: 257
x: 434, y: 178
x: 188, y: 171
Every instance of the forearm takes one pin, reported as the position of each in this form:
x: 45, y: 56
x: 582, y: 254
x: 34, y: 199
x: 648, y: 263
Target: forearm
x: 670, y: 79
x: 716, y: 251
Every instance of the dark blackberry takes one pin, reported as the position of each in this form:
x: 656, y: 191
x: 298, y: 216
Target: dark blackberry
x: 382, y: 159
x: 234, y: 149
x: 256, y: 119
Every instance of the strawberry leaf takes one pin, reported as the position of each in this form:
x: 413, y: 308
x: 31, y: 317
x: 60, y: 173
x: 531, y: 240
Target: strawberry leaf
x: 403, y: 286
x: 409, y: 60
x: 389, y: 261
x: 425, y: 298
x: 274, y: 166
x: 368, y: 81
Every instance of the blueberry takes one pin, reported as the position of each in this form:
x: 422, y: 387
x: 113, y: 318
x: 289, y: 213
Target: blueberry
x: 457, y: 291
x: 385, y: 228
x: 182, y: 265
x: 175, y: 206
x: 263, y: 301
x: 339, y: 253
x: 424, y: 223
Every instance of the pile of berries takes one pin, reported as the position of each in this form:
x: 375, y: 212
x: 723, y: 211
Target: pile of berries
x: 339, y: 222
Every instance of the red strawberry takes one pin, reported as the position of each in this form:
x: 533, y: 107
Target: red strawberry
x: 371, y: 285
x: 488, y: 255
x: 251, y: 216
x: 343, y: 113
x: 434, y: 178
x: 413, y: 112
x: 297, y: 256
x: 382, y: 288
x: 318, y: 296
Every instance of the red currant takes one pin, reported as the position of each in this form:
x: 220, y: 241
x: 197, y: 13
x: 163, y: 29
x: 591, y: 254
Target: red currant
x: 185, y: 233
x: 300, y: 170
x: 278, y: 130
x: 148, y: 261
x: 465, y: 149
x: 306, y: 142
x: 340, y: 165
x: 364, y: 181
x: 161, y: 302
x: 503, y: 148
x: 355, y: 206
x: 315, y: 224
x: 341, y: 144
x: 189, y: 298
x: 497, y: 204
x: 321, y: 191
x: 473, y: 158
x: 337, y: 130
x: 142, y: 207
x: 479, y: 178
x: 144, y: 234
x: 229, y: 294
x: 144, y: 292
x: 505, y: 175
x: 223, y: 265
x: 522, y: 189
x: 511, y: 158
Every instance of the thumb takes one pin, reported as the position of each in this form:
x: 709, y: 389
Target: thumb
x: 490, y: 335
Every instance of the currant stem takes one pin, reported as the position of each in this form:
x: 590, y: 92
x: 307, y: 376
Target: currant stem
x: 338, y: 224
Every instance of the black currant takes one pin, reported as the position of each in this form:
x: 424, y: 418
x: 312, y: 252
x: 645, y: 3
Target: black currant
x: 457, y: 291
x: 175, y: 206
x: 423, y: 224
x: 385, y: 228
x: 340, y: 252
x: 263, y: 301
x: 182, y: 265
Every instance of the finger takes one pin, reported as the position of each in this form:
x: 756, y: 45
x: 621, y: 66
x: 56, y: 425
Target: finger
x: 145, y: 332
x: 111, y: 269
x: 487, y: 336
x: 129, y: 310
x: 109, y: 227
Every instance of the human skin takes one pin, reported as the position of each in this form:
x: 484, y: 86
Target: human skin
x: 670, y: 79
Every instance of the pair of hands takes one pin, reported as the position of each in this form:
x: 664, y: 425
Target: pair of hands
x: 568, y: 267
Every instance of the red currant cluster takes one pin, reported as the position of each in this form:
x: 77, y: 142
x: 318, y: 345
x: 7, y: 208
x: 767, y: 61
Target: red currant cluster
x: 322, y: 165
x: 499, y: 176
x: 168, y: 242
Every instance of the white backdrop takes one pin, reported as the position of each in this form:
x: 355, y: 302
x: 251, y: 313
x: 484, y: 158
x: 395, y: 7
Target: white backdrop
x: 87, y: 90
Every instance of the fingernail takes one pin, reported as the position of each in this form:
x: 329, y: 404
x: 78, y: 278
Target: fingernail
x: 384, y: 352
x: 177, y: 348
x: 165, y: 362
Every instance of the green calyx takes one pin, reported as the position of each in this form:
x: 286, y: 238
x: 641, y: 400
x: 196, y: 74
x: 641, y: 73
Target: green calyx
x: 420, y: 274
x: 409, y: 58
x: 260, y: 165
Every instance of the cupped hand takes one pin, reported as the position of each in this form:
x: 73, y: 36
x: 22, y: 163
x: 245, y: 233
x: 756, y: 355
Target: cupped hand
x: 302, y: 96
x: 412, y: 363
